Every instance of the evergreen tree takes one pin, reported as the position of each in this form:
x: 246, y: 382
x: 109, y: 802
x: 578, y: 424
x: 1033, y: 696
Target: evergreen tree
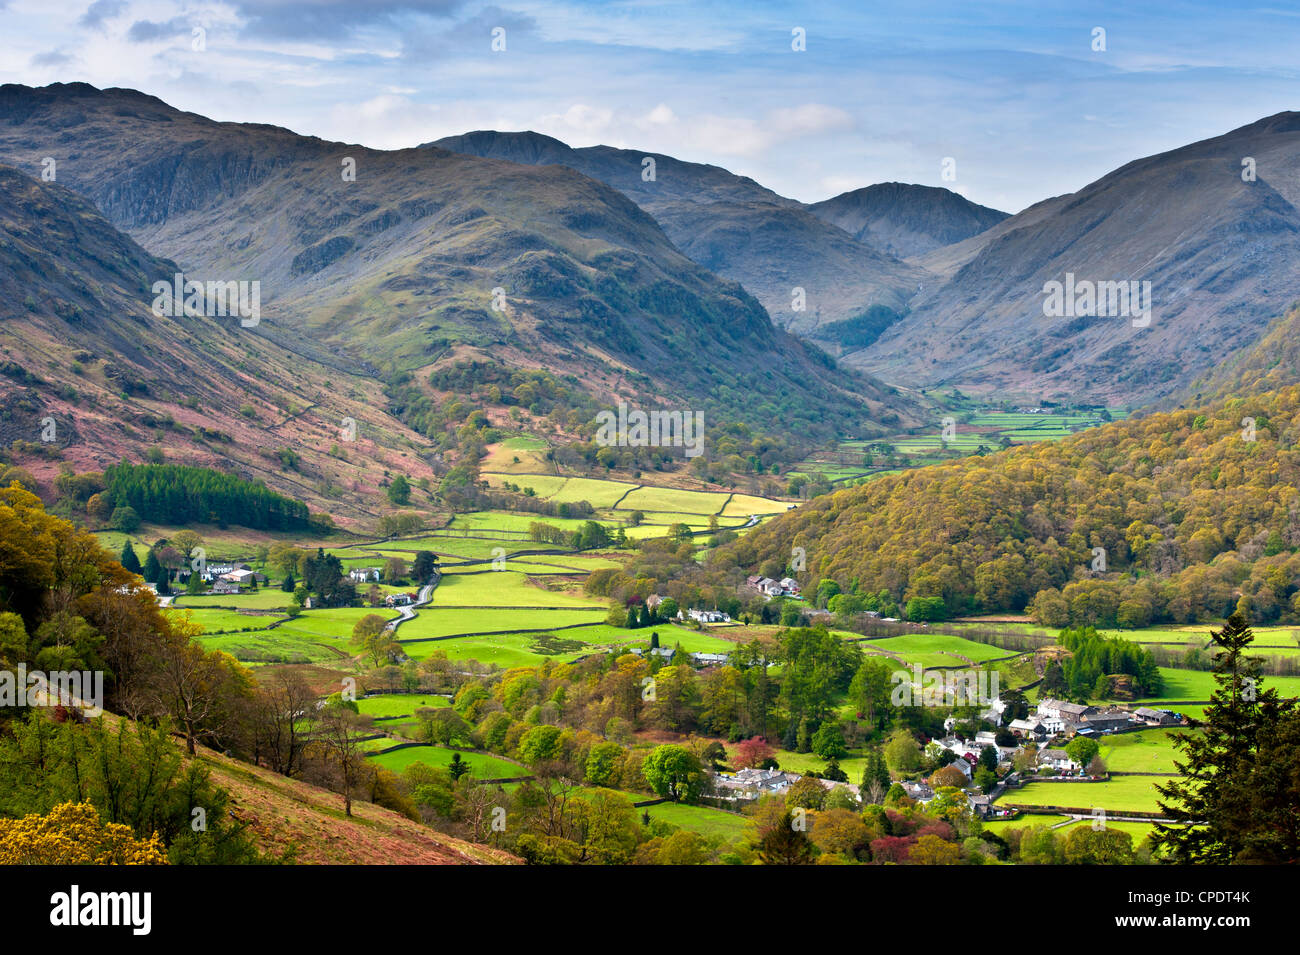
x: 151, y: 566
x: 128, y: 558
x: 163, y: 580
x: 1244, y: 806
x: 288, y: 584
x: 785, y: 844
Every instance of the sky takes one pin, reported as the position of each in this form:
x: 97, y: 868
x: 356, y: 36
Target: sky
x: 1014, y: 102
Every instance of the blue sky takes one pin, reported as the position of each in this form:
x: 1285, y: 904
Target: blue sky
x: 1013, y: 92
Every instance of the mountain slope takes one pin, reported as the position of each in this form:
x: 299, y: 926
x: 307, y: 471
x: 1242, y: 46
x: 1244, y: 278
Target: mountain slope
x: 905, y: 219
x: 1220, y: 254
x: 1192, y: 515
x: 394, y: 272
x: 732, y: 226
x: 82, y: 346
x: 1272, y: 362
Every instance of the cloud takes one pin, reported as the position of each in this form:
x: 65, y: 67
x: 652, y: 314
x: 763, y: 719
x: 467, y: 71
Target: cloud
x: 333, y: 18
x: 54, y: 58
x: 147, y: 31
x: 99, y: 11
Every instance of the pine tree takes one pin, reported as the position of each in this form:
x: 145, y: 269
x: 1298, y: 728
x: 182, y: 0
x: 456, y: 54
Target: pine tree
x: 163, y: 580
x: 128, y: 558
x: 151, y: 566
x: 1220, y: 783
x: 785, y: 844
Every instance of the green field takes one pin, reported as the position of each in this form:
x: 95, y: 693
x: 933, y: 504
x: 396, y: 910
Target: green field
x: 1116, y: 795
x: 398, y: 704
x: 481, y: 765
x: 435, y: 622
x: 705, y: 820
x: 673, y: 500
x: 936, y: 649
x: 1150, y: 751
x: 267, y: 598
x: 503, y: 588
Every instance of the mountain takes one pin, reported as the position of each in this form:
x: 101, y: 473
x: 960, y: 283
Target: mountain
x: 88, y: 372
x: 733, y: 226
x: 1272, y: 362
x: 904, y: 219
x: 1191, y: 519
x: 1220, y: 254
x: 396, y: 271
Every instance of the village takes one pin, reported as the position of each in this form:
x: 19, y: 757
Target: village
x: 1038, y: 746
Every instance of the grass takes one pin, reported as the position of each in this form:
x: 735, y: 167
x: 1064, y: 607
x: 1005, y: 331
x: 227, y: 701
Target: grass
x: 215, y: 621
x: 942, y: 647
x: 481, y: 765
x: 503, y: 588
x: 674, y: 500
x: 1116, y: 795
x: 267, y: 598
x: 398, y: 704
x: 702, y: 819
x: 434, y: 622
x: 1150, y: 751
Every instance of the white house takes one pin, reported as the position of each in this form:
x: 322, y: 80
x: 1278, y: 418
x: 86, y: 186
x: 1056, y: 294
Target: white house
x: 1059, y: 760
x: 707, y: 616
x: 363, y: 575
x: 746, y: 785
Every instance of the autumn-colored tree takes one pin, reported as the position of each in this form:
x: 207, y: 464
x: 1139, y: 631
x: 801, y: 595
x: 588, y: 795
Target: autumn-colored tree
x: 841, y: 831
x: 931, y: 850
x: 948, y: 776
x: 752, y: 752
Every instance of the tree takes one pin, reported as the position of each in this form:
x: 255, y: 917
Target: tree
x: 948, y: 776
x: 931, y: 850
x: 1244, y: 805
x: 128, y: 559
x: 1082, y: 750
x: 785, y: 843
x: 394, y: 570
x: 340, y: 730
x: 674, y: 772
x: 424, y: 566
x: 828, y: 742
x: 457, y: 767
x: 840, y: 831
x: 125, y: 519
x: 151, y: 566
x: 875, y: 778
x: 399, y: 492
x: 372, y: 635
x: 1085, y: 845
x: 753, y: 753
x: 902, y: 752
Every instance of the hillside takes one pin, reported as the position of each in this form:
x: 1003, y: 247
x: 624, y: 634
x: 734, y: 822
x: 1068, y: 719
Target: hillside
x: 1272, y: 362
x: 904, y: 219
x: 1196, y: 519
x: 731, y: 225
x: 1219, y: 253
x: 393, y: 273
x: 288, y: 815
x: 82, y: 345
